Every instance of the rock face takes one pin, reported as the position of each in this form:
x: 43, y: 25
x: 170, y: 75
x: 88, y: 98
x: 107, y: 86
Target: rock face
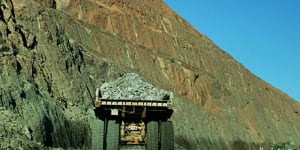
x: 55, y: 53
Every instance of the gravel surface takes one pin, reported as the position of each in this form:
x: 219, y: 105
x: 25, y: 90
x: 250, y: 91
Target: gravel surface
x: 131, y: 87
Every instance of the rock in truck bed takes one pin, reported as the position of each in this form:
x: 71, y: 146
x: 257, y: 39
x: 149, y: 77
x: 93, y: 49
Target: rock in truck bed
x: 131, y: 87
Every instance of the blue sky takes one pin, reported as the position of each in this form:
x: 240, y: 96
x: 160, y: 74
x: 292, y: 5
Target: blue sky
x: 263, y: 35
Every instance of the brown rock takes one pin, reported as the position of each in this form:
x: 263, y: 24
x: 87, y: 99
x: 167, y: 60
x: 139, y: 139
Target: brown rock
x: 219, y: 103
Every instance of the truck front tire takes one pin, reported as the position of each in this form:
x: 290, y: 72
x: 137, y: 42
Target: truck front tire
x: 152, y: 136
x: 97, y: 128
x: 167, y: 135
x: 113, y: 135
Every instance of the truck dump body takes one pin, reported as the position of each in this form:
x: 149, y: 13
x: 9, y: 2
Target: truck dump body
x: 146, y: 103
x: 141, y: 109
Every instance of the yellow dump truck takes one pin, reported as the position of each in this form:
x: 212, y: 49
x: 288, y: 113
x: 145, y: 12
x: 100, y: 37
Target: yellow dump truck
x: 131, y: 122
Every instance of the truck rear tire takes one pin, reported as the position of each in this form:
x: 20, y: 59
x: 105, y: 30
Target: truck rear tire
x: 113, y: 135
x: 152, y: 136
x: 97, y: 128
x: 167, y: 135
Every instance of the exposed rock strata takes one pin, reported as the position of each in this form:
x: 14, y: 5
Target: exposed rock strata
x: 54, y: 54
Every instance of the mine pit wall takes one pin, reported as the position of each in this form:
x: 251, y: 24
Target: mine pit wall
x: 219, y: 90
x: 215, y: 82
x: 51, y: 84
x: 201, y: 70
x: 212, y: 94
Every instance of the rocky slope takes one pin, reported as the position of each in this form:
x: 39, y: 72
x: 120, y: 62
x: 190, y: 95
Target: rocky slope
x: 54, y: 54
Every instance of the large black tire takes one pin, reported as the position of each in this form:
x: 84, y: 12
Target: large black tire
x: 152, y: 136
x: 97, y: 128
x: 167, y: 136
x: 113, y: 135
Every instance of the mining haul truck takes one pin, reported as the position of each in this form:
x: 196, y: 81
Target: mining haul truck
x: 132, y: 123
